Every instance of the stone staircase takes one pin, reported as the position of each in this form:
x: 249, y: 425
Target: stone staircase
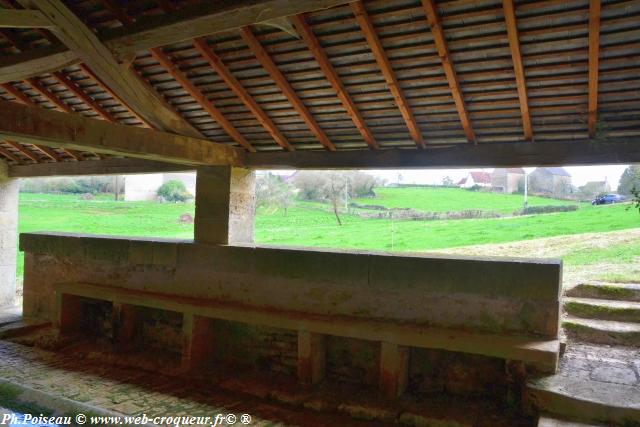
x: 598, y: 383
x: 603, y: 313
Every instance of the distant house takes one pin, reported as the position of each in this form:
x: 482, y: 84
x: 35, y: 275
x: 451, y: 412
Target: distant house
x: 594, y: 188
x: 145, y: 187
x: 481, y: 179
x: 507, y: 180
x: 554, y: 182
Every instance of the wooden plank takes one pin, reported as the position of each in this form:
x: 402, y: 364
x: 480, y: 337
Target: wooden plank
x: 216, y: 63
x: 518, y: 68
x: 512, y: 154
x: 73, y: 87
x: 594, y: 52
x: 201, y: 99
x: 124, y: 81
x: 110, y: 166
x: 35, y: 125
x: 10, y: 156
x: 387, y: 71
x: 542, y: 352
x: 35, y: 62
x: 12, y: 18
x: 305, y: 30
x: 433, y: 17
x: 280, y: 80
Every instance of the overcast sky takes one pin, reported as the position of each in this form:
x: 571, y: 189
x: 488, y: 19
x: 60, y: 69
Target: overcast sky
x: 579, y: 174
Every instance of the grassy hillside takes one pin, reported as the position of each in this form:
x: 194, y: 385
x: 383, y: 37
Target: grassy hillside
x: 312, y: 224
x: 453, y: 199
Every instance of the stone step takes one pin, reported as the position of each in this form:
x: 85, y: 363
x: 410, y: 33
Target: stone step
x: 602, y: 331
x: 584, y: 401
x: 548, y: 421
x: 610, y: 291
x: 589, y: 308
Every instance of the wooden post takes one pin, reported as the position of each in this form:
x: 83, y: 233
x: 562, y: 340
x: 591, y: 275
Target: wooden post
x: 68, y: 315
x: 311, y: 357
x: 394, y: 369
x: 197, y: 341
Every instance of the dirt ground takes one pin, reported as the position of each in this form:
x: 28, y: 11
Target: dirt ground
x: 559, y: 246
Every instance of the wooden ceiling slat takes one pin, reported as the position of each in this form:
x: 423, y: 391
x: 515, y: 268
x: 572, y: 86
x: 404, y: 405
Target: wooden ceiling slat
x: 202, y: 100
x: 514, y: 44
x: 21, y: 148
x: 216, y: 63
x: 377, y: 49
x: 10, y: 156
x: 594, y: 48
x: 305, y: 30
x: 267, y: 63
x: 439, y: 39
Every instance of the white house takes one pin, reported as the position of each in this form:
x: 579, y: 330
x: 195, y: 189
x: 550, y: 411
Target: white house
x: 481, y: 179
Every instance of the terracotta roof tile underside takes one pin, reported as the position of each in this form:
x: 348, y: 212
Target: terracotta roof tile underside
x: 554, y: 41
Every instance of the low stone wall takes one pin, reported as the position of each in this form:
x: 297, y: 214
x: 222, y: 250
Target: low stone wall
x: 495, y: 295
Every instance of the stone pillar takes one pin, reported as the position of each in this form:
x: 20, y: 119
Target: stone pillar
x: 225, y: 205
x: 8, y: 235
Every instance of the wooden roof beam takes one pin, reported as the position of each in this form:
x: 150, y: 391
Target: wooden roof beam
x: 34, y: 125
x: 200, y: 98
x: 433, y: 17
x: 10, y: 156
x: 267, y: 63
x: 124, y: 81
x: 313, y: 44
x: 216, y: 63
x: 21, y: 148
x: 12, y: 18
x: 594, y: 52
x: 153, y: 31
x: 387, y: 71
x: 518, y: 68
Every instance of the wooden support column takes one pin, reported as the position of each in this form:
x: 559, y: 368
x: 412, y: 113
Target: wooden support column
x: 8, y: 235
x: 394, y: 369
x: 225, y: 205
x: 311, y: 357
x: 197, y: 341
x: 125, y: 319
x: 68, y: 313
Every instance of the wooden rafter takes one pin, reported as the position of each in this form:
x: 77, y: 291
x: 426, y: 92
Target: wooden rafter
x: 518, y: 68
x: 216, y: 63
x: 21, y: 148
x: 124, y: 81
x: 25, y: 100
x: 267, y: 63
x: 10, y: 156
x: 200, y: 98
x: 23, y: 19
x: 387, y: 71
x: 313, y: 44
x: 433, y: 17
x: 77, y: 91
x: 34, y: 125
x: 594, y: 53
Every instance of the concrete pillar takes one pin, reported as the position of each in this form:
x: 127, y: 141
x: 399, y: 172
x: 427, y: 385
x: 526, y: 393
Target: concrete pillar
x: 8, y: 236
x: 311, y: 357
x: 225, y: 205
x: 394, y: 369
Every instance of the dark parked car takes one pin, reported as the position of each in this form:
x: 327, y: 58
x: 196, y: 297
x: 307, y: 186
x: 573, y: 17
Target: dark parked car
x: 608, y: 199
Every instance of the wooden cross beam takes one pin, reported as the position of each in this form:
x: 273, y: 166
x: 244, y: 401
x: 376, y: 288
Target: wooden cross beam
x: 34, y: 125
x: 594, y: 52
x: 83, y: 41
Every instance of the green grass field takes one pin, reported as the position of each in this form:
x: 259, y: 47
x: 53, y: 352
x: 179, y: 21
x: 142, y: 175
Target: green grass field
x: 453, y: 199
x: 312, y: 224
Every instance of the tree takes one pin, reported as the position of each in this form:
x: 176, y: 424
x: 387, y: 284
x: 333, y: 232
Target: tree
x: 629, y: 180
x: 447, y: 181
x: 174, y: 191
x: 274, y: 191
